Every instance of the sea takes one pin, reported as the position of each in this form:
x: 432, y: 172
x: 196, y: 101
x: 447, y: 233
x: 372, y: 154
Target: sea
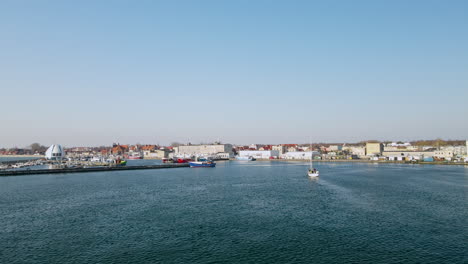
x: 238, y: 212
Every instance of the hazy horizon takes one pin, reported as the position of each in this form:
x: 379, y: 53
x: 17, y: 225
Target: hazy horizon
x: 91, y: 73
x: 233, y: 143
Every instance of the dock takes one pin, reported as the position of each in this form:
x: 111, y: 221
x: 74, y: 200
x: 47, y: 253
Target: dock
x: 6, y: 162
x: 92, y: 169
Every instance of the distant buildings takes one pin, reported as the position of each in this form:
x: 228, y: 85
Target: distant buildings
x: 300, y: 155
x: 259, y: 154
x: 280, y: 148
x: 374, y: 148
x: 438, y: 150
x: 118, y: 149
x: 219, y: 150
x: 359, y: 151
x: 407, y: 155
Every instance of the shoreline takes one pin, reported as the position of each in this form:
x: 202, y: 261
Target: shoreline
x: 373, y: 161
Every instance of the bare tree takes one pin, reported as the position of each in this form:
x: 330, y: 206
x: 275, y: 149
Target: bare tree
x: 36, y: 147
x: 175, y: 144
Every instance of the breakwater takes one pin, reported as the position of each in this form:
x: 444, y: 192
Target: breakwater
x: 7, y: 162
x: 92, y: 169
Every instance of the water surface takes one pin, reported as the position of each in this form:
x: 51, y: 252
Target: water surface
x: 238, y: 212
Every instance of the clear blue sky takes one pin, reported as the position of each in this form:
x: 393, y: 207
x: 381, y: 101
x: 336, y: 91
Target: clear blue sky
x: 97, y: 72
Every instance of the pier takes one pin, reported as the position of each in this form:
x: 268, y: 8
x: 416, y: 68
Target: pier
x: 6, y: 162
x: 92, y: 169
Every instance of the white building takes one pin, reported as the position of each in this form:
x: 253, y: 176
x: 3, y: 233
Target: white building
x: 456, y: 150
x: 280, y: 148
x: 300, y: 155
x: 408, y: 155
x: 156, y: 154
x: 446, y: 154
x: 358, y: 151
x: 335, y: 148
x: 55, y: 152
x: 222, y: 150
x: 395, y: 144
x: 259, y: 154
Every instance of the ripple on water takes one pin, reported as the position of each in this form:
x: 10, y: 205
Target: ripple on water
x: 260, y: 212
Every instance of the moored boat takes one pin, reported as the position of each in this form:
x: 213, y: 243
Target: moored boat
x: 250, y: 158
x: 196, y: 164
x: 134, y: 156
x: 202, y: 162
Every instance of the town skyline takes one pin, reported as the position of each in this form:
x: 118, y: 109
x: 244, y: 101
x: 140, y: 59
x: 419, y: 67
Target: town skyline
x: 420, y: 142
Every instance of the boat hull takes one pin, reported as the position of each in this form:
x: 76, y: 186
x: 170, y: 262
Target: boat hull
x: 245, y: 158
x: 202, y: 164
x: 313, y: 175
x: 134, y: 158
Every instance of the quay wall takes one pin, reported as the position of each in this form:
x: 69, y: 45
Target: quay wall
x: 17, y: 161
x: 95, y: 169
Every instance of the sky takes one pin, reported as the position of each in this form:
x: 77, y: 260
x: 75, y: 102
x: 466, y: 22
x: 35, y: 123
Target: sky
x: 90, y: 73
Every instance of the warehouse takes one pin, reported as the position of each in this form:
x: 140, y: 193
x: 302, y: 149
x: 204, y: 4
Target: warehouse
x: 259, y: 154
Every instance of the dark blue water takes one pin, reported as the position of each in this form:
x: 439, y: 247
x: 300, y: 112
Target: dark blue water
x: 258, y: 212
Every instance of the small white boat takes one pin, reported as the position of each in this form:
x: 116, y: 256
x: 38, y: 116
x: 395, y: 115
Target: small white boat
x: 312, y: 172
x: 96, y: 159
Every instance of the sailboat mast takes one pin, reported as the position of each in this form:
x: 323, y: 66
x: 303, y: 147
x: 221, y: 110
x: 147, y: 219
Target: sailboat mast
x: 311, y: 154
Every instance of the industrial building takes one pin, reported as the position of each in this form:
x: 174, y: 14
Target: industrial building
x: 259, y: 154
x: 408, y: 155
x: 300, y: 155
x: 220, y: 150
x: 374, y: 148
x: 156, y: 154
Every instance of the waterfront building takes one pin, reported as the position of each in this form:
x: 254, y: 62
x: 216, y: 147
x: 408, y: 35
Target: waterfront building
x: 55, y: 152
x: 156, y: 154
x: 221, y: 150
x: 280, y: 148
x: 456, y: 150
x: 259, y: 154
x: 265, y: 147
x: 300, y: 155
x: 358, y: 151
x: 374, y: 148
x: 443, y: 154
x: 255, y: 146
x: 290, y: 147
x: 118, y: 149
x: 335, y: 148
x: 408, y: 155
